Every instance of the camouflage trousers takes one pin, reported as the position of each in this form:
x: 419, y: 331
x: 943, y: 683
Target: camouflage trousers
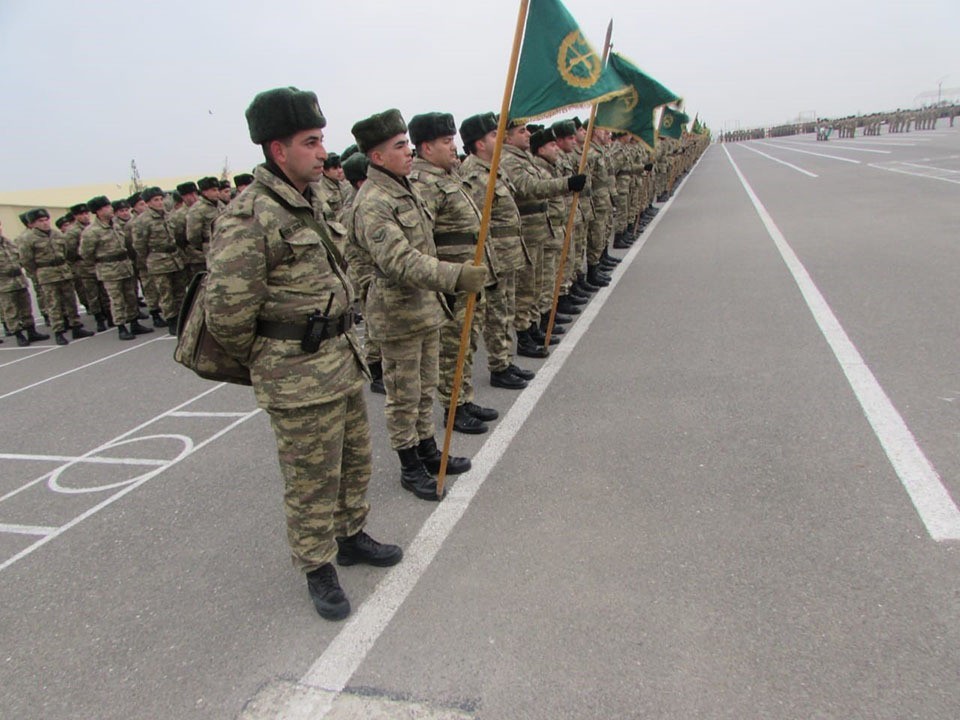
x: 450, y: 348
x: 574, y: 262
x: 622, y: 207
x: 123, y: 299
x: 325, y: 461
x: 170, y: 288
x: 91, y: 294
x: 528, y: 288
x: 16, y: 310
x: 498, y: 320
x: 597, y: 237
x: 410, y: 369
x: 551, y: 261
x: 60, y: 300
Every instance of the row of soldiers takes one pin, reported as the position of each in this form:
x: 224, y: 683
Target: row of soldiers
x: 292, y: 255
x: 102, y: 253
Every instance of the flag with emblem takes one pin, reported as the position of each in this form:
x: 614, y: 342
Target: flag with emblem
x: 558, y: 67
x: 633, y: 111
x: 672, y: 122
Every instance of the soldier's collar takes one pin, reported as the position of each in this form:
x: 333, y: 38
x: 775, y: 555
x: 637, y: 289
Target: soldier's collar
x: 401, y: 180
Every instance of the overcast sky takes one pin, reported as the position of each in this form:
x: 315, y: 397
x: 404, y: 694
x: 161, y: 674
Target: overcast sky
x: 88, y: 86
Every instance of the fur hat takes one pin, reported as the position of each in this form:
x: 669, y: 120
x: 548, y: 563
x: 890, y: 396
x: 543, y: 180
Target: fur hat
x: 63, y: 220
x: 36, y: 214
x: 95, y: 203
x: 79, y: 209
x: 120, y: 205
x: 208, y: 183
x: 430, y: 126
x: 242, y: 179
x: 476, y: 126
x: 148, y: 194
x: 187, y: 187
x: 134, y: 199
x: 348, y: 152
x: 332, y: 161
x: 281, y: 112
x: 541, y: 138
x: 355, y: 167
x: 564, y: 129
x: 378, y: 128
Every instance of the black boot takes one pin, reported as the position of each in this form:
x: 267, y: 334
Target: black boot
x: 539, y: 336
x: 101, y: 322
x: 521, y: 373
x: 528, y: 347
x: 414, y: 476
x: 22, y: 340
x: 507, y: 380
x: 158, y: 321
x: 81, y: 332
x: 361, y: 548
x: 430, y: 456
x: 608, y: 258
x: 567, y: 307
x: 61, y: 339
x: 620, y: 242
x: 484, y: 414
x: 34, y: 336
x: 327, y: 595
x: 172, y: 325
x: 586, y: 286
x: 464, y: 422
x: 123, y: 333
x: 137, y: 329
x: 595, y: 278
x: 577, y: 292
x: 376, y: 385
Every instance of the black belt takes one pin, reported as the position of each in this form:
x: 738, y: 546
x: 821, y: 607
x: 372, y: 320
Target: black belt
x: 13, y: 273
x: 164, y: 249
x: 295, y: 331
x: 532, y: 209
x: 114, y: 257
x: 454, y: 238
x: 51, y: 263
x: 503, y: 231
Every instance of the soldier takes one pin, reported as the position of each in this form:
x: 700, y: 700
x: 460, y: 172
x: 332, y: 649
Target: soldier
x: 479, y: 136
x: 201, y: 216
x: 182, y: 227
x: 568, y: 162
x: 456, y: 224
x: 242, y: 181
x: 272, y: 265
x: 404, y: 310
x: 330, y: 190
x: 102, y: 246
x: 151, y: 298
x: 153, y: 241
x: 64, y: 222
x: 92, y: 296
x: 43, y: 252
x: 15, y: 306
x: 226, y: 192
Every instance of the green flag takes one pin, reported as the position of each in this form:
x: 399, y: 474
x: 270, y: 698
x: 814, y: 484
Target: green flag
x: 558, y: 68
x: 672, y: 122
x: 633, y: 112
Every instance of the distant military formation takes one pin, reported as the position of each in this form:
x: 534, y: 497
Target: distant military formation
x: 899, y: 121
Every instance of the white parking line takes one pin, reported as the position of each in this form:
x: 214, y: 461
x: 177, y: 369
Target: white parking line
x: 778, y: 160
x: 206, y: 414
x: 808, y: 152
x: 27, y: 529
x: 914, y: 174
x: 843, y: 147
x: 921, y: 481
x: 84, y: 459
x: 29, y: 357
x: 930, y: 167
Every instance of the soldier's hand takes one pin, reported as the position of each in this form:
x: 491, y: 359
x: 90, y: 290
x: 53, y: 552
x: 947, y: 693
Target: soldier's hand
x: 648, y: 167
x: 472, y: 278
x: 576, y: 183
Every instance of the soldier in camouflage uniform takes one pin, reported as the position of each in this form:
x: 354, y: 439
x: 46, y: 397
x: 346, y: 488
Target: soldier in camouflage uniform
x: 272, y: 265
x: 15, y: 306
x: 456, y: 225
x: 101, y: 245
x: 479, y: 136
x: 200, y: 219
x: 43, y: 252
x: 404, y: 309
x: 331, y: 190
x: 91, y: 294
x: 154, y: 242
x: 242, y: 181
x: 192, y: 255
x: 150, y: 296
x: 568, y: 161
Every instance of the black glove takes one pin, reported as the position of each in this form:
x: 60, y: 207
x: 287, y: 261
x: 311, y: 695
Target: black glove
x: 648, y: 167
x: 576, y: 183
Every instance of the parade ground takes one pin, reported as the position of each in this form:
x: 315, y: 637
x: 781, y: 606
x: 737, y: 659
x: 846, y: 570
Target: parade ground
x: 731, y: 492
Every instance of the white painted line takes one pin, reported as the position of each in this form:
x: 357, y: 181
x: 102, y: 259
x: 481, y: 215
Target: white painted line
x: 841, y: 147
x: 30, y: 357
x: 914, y: 174
x: 83, y: 459
x: 929, y: 167
x: 808, y: 152
x: 27, y: 529
x: 881, y: 143
x: 207, y: 414
x: 76, y: 369
x: 778, y: 160
x: 921, y: 481
x: 336, y: 665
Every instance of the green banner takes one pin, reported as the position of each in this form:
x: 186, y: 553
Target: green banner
x: 633, y: 111
x: 558, y: 67
x: 672, y: 122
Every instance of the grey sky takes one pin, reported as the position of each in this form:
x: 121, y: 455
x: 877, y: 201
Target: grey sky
x: 88, y: 86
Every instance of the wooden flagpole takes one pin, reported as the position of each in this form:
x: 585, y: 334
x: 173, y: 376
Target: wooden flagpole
x: 481, y: 239
x: 568, y: 233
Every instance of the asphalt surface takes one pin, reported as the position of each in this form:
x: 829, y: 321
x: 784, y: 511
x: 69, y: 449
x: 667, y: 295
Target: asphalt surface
x: 689, y: 514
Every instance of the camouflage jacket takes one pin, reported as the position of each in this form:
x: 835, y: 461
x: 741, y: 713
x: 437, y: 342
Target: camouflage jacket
x: 266, y: 264
x: 71, y: 241
x: 568, y: 163
x: 177, y: 219
x: 557, y: 205
x: 43, y: 254
x: 504, y: 233
x: 392, y: 225
x: 199, y: 228
x: 154, y: 244
x: 102, y: 246
x: 532, y: 189
x: 601, y: 178
x: 11, y: 274
x: 331, y: 192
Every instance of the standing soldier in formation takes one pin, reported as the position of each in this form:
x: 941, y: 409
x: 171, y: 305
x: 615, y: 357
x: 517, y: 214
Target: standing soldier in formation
x: 456, y: 226
x: 42, y: 252
x: 89, y: 291
x: 272, y: 265
x: 603, y: 189
x: 224, y: 192
x: 568, y: 162
x: 152, y: 299
x: 242, y: 181
x: 404, y: 310
x: 331, y: 190
x: 102, y: 246
x: 154, y: 242
x: 200, y: 219
x: 179, y: 222
x: 15, y: 306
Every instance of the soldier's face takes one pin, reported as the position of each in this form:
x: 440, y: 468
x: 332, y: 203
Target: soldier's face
x: 105, y: 214
x: 394, y: 155
x: 42, y: 224
x: 301, y: 160
x: 442, y: 152
x: 83, y: 218
x: 519, y: 137
x: 485, y: 146
x: 566, y: 144
x: 189, y: 199
x: 549, y: 151
x: 123, y: 213
x: 155, y: 203
x: 225, y: 194
x: 581, y: 135
x: 139, y: 206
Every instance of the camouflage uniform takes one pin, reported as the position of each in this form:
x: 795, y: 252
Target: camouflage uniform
x: 361, y: 270
x: 509, y: 256
x: 331, y: 192
x: 103, y: 248
x: 154, y: 242
x: 44, y: 254
x: 456, y: 227
x: 601, y: 183
x: 569, y: 164
x: 404, y: 307
x: 268, y: 270
x: 557, y: 208
x: 14, y: 297
x: 199, y: 230
x: 150, y: 294
x: 85, y: 282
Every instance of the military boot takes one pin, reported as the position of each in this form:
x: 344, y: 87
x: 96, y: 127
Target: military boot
x: 414, y: 476
x: 567, y: 307
x: 327, y: 595
x: 78, y: 331
x: 586, y: 286
x: 376, y: 385
x: 528, y: 347
x: 172, y: 325
x: 123, y: 333
x: 595, y: 278
x: 361, y: 548
x: 521, y: 373
x: 101, y: 322
x: 506, y: 380
x: 606, y: 257
x: 620, y: 241
x: 137, y: 329
x: 34, y: 336
x: 158, y: 321
x: 61, y: 339
x: 465, y: 422
x: 22, y: 340
x: 539, y: 336
x: 430, y: 456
